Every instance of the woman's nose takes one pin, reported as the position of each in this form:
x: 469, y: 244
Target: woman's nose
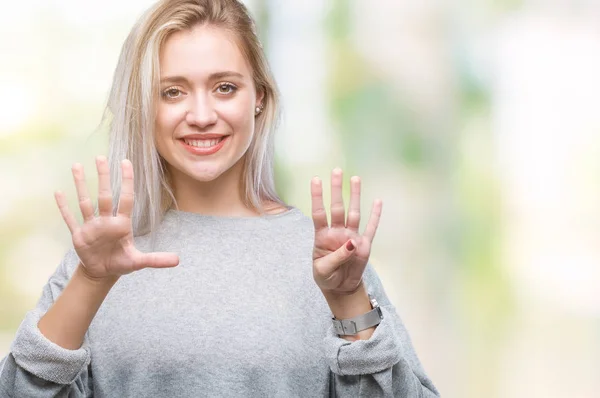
x: 201, y: 112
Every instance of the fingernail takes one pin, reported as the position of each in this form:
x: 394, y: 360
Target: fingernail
x: 349, y: 246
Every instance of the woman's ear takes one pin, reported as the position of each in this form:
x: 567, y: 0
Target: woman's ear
x: 260, y: 95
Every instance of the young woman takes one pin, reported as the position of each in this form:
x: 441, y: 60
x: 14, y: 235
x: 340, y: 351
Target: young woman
x: 193, y: 278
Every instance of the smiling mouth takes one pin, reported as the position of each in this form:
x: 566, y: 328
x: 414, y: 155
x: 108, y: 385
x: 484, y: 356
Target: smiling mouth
x: 204, y: 147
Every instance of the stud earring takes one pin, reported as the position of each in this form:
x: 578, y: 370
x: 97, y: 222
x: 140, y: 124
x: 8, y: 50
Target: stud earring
x: 258, y: 110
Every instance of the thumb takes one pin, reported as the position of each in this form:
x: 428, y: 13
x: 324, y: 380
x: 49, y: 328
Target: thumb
x: 342, y: 254
x: 156, y: 260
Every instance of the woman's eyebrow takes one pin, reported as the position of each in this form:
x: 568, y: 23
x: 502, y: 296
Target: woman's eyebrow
x: 228, y: 73
x: 213, y: 76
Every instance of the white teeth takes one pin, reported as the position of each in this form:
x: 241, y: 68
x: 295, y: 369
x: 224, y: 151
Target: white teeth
x: 203, y: 143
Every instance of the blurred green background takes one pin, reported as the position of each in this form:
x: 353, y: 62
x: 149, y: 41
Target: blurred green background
x: 476, y: 122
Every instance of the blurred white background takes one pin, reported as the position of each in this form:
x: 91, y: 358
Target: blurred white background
x: 477, y: 123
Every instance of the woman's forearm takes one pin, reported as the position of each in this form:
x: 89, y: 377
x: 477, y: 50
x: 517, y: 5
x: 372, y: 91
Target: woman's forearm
x: 69, y: 318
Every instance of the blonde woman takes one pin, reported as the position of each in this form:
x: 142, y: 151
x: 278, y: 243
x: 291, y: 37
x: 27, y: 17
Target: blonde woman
x: 192, y: 278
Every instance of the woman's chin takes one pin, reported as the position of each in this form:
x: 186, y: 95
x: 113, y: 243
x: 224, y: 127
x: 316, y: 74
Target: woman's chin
x: 206, y: 176
x: 206, y: 171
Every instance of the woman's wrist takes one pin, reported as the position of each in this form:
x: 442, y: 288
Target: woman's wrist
x: 92, y: 281
x: 348, y: 306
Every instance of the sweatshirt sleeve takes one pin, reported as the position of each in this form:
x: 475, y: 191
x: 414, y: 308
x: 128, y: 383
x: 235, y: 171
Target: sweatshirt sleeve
x: 385, y: 365
x: 35, y: 366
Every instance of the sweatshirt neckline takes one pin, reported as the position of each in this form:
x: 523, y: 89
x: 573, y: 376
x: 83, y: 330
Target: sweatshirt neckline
x: 236, y: 222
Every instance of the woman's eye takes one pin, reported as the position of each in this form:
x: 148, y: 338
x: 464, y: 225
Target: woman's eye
x: 226, y: 88
x: 171, y: 93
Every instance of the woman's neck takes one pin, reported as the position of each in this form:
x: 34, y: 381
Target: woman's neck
x: 220, y: 197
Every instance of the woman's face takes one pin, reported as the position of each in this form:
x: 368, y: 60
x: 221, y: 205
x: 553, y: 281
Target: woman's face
x: 205, y: 114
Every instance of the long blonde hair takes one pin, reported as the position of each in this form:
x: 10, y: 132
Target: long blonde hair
x: 131, y: 106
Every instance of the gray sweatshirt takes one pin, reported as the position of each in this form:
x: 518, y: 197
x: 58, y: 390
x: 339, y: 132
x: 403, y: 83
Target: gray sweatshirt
x: 240, y: 316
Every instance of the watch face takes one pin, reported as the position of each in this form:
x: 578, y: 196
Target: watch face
x: 374, y: 302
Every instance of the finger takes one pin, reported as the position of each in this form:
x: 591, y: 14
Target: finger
x: 126, y: 196
x: 337, y: 202
x: 155, y: 260
x: 373, y: 220
x: 333, y: 261
x: 319, y: 214
x: 353, y: 220
x: 85, y: 202
x: 69, y: 218
x: 104, y: 191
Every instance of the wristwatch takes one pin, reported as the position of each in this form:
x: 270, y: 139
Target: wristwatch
x: 344, y: 327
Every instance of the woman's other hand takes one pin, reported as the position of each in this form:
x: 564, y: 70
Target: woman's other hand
x: 341, y: 253
x: 104, y: 243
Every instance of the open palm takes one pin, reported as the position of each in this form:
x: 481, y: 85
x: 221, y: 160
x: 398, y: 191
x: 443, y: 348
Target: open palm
x: 341, y: 253
x: 104, y: 243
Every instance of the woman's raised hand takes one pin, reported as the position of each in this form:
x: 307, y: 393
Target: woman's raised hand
x: 104, y: 243
x: 341, y: 252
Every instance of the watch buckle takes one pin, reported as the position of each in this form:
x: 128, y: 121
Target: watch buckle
x: 344, y: 327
